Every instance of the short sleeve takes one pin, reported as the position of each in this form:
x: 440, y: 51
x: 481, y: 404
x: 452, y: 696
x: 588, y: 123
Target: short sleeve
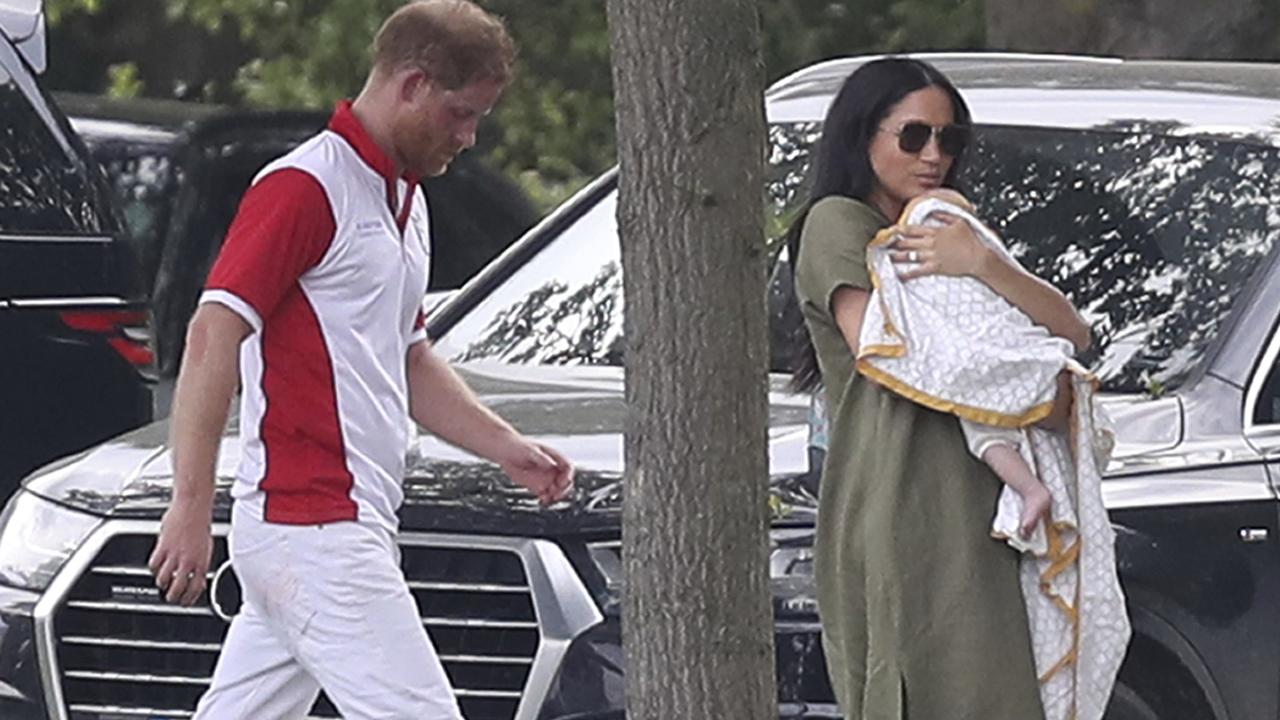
x: 283, y: 228
x: 419, y: 333
x: 833, y: 249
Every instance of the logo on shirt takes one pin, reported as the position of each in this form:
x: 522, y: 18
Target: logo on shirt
x: 369, y: 227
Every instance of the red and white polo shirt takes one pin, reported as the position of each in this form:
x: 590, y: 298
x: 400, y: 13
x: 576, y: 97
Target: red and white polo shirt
x: 327, y: 260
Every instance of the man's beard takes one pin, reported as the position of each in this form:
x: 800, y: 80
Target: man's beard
x: 422, y: 157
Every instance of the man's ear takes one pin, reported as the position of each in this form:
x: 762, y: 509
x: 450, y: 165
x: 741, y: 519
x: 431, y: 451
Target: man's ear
x: 412, y: 83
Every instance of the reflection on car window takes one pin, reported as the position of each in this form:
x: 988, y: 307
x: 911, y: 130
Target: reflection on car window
x: 562, y: 307
x: 1150, y: 234
x: 142, y: 179
x: 42, y: 188
x: 565, y: 305
x: 787, y: 176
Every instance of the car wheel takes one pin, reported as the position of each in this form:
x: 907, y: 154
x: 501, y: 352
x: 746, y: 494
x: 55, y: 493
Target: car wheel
x: 1127, y: 704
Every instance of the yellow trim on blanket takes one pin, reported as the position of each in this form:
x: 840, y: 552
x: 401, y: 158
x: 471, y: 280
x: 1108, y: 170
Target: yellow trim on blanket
x: 1062, y: 562
x: 863, y: 365
x: 1067, y: 661
x: 1061, y: 558
x: 884, y: 237
x: 882, y: 351
x: 976, y: 414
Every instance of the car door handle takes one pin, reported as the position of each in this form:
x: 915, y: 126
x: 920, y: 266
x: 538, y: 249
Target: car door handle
x: 1253, y: 534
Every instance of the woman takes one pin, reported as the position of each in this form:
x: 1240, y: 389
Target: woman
x: 922, y: 612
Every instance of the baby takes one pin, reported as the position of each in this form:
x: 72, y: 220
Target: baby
x: 1004, y: 449
x: 1001, y: 448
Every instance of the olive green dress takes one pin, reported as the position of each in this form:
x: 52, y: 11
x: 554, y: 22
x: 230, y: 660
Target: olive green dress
x: 922, y: 613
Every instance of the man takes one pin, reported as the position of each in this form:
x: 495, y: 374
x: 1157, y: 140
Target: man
x: 314, y: 304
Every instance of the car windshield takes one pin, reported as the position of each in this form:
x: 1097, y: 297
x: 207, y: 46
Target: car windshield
x: 45, y: 185
x: 1150, y: 234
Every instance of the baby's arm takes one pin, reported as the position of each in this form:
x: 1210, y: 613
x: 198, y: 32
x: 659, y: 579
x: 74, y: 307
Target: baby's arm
x: 998, y: 448
x: 1008, y: 465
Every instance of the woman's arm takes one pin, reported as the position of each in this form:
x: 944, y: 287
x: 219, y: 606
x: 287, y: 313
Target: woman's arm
x: 1059, y: 418
x: 848, y: 306
x: 1044, y: 303
x: 954, y: 249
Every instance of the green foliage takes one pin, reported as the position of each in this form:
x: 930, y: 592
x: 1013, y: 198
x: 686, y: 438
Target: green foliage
x: 554, y: 128
x: 556, y: 120
x: 124, y: 80
x: 800, y: 32
x: 309, y: 53
x: 546, y: 194
x: 54, y: 10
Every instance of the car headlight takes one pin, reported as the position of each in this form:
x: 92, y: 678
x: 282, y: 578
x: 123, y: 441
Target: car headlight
x: 790, y: 573
x: 36, y: 538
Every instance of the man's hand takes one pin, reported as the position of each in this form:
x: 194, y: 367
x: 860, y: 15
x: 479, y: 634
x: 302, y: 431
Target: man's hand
x: 206, y: 383
x: 183, y: 552
x: 440, y: 402
x: 545, y: 472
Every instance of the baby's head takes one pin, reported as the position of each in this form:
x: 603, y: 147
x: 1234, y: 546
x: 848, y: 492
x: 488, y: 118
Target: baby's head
x: 948, y: 195
x: 944, y: 194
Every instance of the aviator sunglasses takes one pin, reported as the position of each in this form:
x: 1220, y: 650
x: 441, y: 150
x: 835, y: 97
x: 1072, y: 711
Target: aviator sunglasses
x: 952, y: 139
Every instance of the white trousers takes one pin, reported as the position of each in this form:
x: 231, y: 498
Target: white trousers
x: 325, y: 606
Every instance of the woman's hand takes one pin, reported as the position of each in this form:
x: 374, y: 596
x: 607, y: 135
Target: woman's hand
x: 950, y: 249
x: 954, y: 249
x: 1059, y: 418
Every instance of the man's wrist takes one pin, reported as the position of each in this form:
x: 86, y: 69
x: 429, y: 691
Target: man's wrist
x: 192, y: 500
x: 508, y: 446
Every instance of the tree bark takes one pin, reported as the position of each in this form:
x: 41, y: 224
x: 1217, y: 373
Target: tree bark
x: 697, y: 616
x: 1224, y: 29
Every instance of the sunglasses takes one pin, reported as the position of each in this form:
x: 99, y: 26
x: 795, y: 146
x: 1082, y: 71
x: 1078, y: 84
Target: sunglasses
x: 952, y: 139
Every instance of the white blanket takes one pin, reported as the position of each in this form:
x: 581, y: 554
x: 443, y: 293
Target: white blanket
x: 955, y: 345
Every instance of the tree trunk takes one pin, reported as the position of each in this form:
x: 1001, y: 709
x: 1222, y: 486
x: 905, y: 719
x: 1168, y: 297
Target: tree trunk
x: 697, y: 617
x: 1223, y: 29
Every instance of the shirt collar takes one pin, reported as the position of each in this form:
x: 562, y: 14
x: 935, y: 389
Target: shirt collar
x: 345, y: 123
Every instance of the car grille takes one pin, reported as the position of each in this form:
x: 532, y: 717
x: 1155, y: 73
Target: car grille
x: 123, y: 653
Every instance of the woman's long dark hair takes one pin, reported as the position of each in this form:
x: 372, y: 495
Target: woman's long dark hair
x: 842, y: 164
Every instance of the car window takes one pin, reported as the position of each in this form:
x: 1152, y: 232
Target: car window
x: 564, y: 306
x: 143, y: 179
x: 1267, y: 409
x: 44, y: 187
x: 1149, y: 234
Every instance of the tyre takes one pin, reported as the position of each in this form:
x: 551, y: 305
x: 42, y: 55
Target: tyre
x: 1127, y: 704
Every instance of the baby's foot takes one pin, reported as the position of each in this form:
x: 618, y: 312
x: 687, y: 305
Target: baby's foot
x: 1035, y: 507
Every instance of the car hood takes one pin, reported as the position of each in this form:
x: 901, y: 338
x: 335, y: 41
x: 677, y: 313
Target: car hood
x: 579, y: 411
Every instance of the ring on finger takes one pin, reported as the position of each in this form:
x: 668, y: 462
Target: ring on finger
x: 913, y: 256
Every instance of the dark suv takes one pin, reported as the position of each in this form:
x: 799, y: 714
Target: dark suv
x: 1147, y: 190
x: 74, y: 355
